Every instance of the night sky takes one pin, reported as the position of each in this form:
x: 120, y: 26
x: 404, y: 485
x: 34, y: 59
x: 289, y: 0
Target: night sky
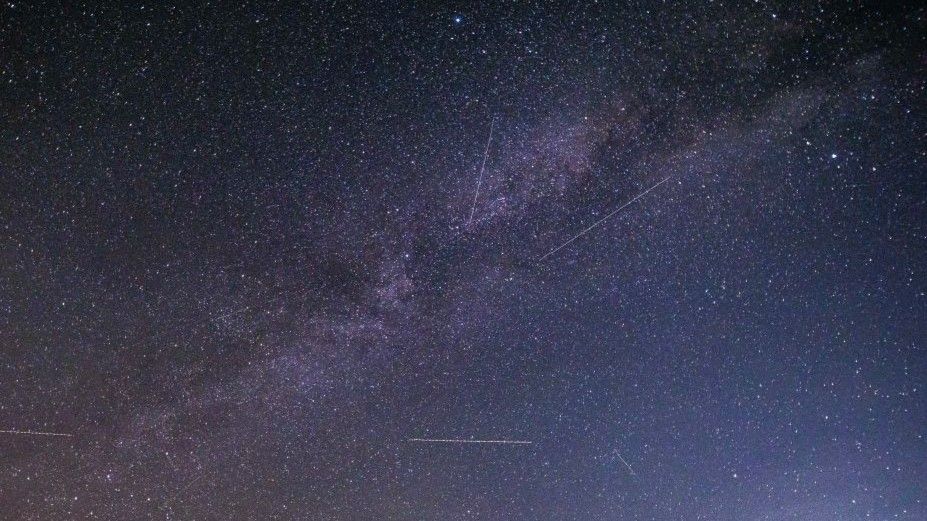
x: 250, y: 253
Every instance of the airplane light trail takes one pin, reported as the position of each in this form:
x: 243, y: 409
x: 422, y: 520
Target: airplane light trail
x: 436, y: 440
x: 479, y: 181
x: 35, y: 433
x: 600, y: 221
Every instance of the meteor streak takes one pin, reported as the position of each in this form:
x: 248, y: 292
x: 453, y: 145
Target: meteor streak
x: 436, y: 440
x: 625, y: 463
x: 35, y: 433
x: 600, y: 221
x: 479, y: 181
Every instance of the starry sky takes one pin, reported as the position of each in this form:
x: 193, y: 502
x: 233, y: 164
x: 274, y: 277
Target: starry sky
x: 249, y: 251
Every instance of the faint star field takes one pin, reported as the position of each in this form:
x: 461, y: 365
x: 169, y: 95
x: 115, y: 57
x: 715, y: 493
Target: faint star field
x: 485, y: 261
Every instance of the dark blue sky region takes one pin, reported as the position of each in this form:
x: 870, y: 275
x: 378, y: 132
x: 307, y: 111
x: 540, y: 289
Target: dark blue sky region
x: 249, y: 254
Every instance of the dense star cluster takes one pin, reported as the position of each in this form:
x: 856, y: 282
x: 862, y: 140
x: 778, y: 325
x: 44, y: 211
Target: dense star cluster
x: 252, y: 255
